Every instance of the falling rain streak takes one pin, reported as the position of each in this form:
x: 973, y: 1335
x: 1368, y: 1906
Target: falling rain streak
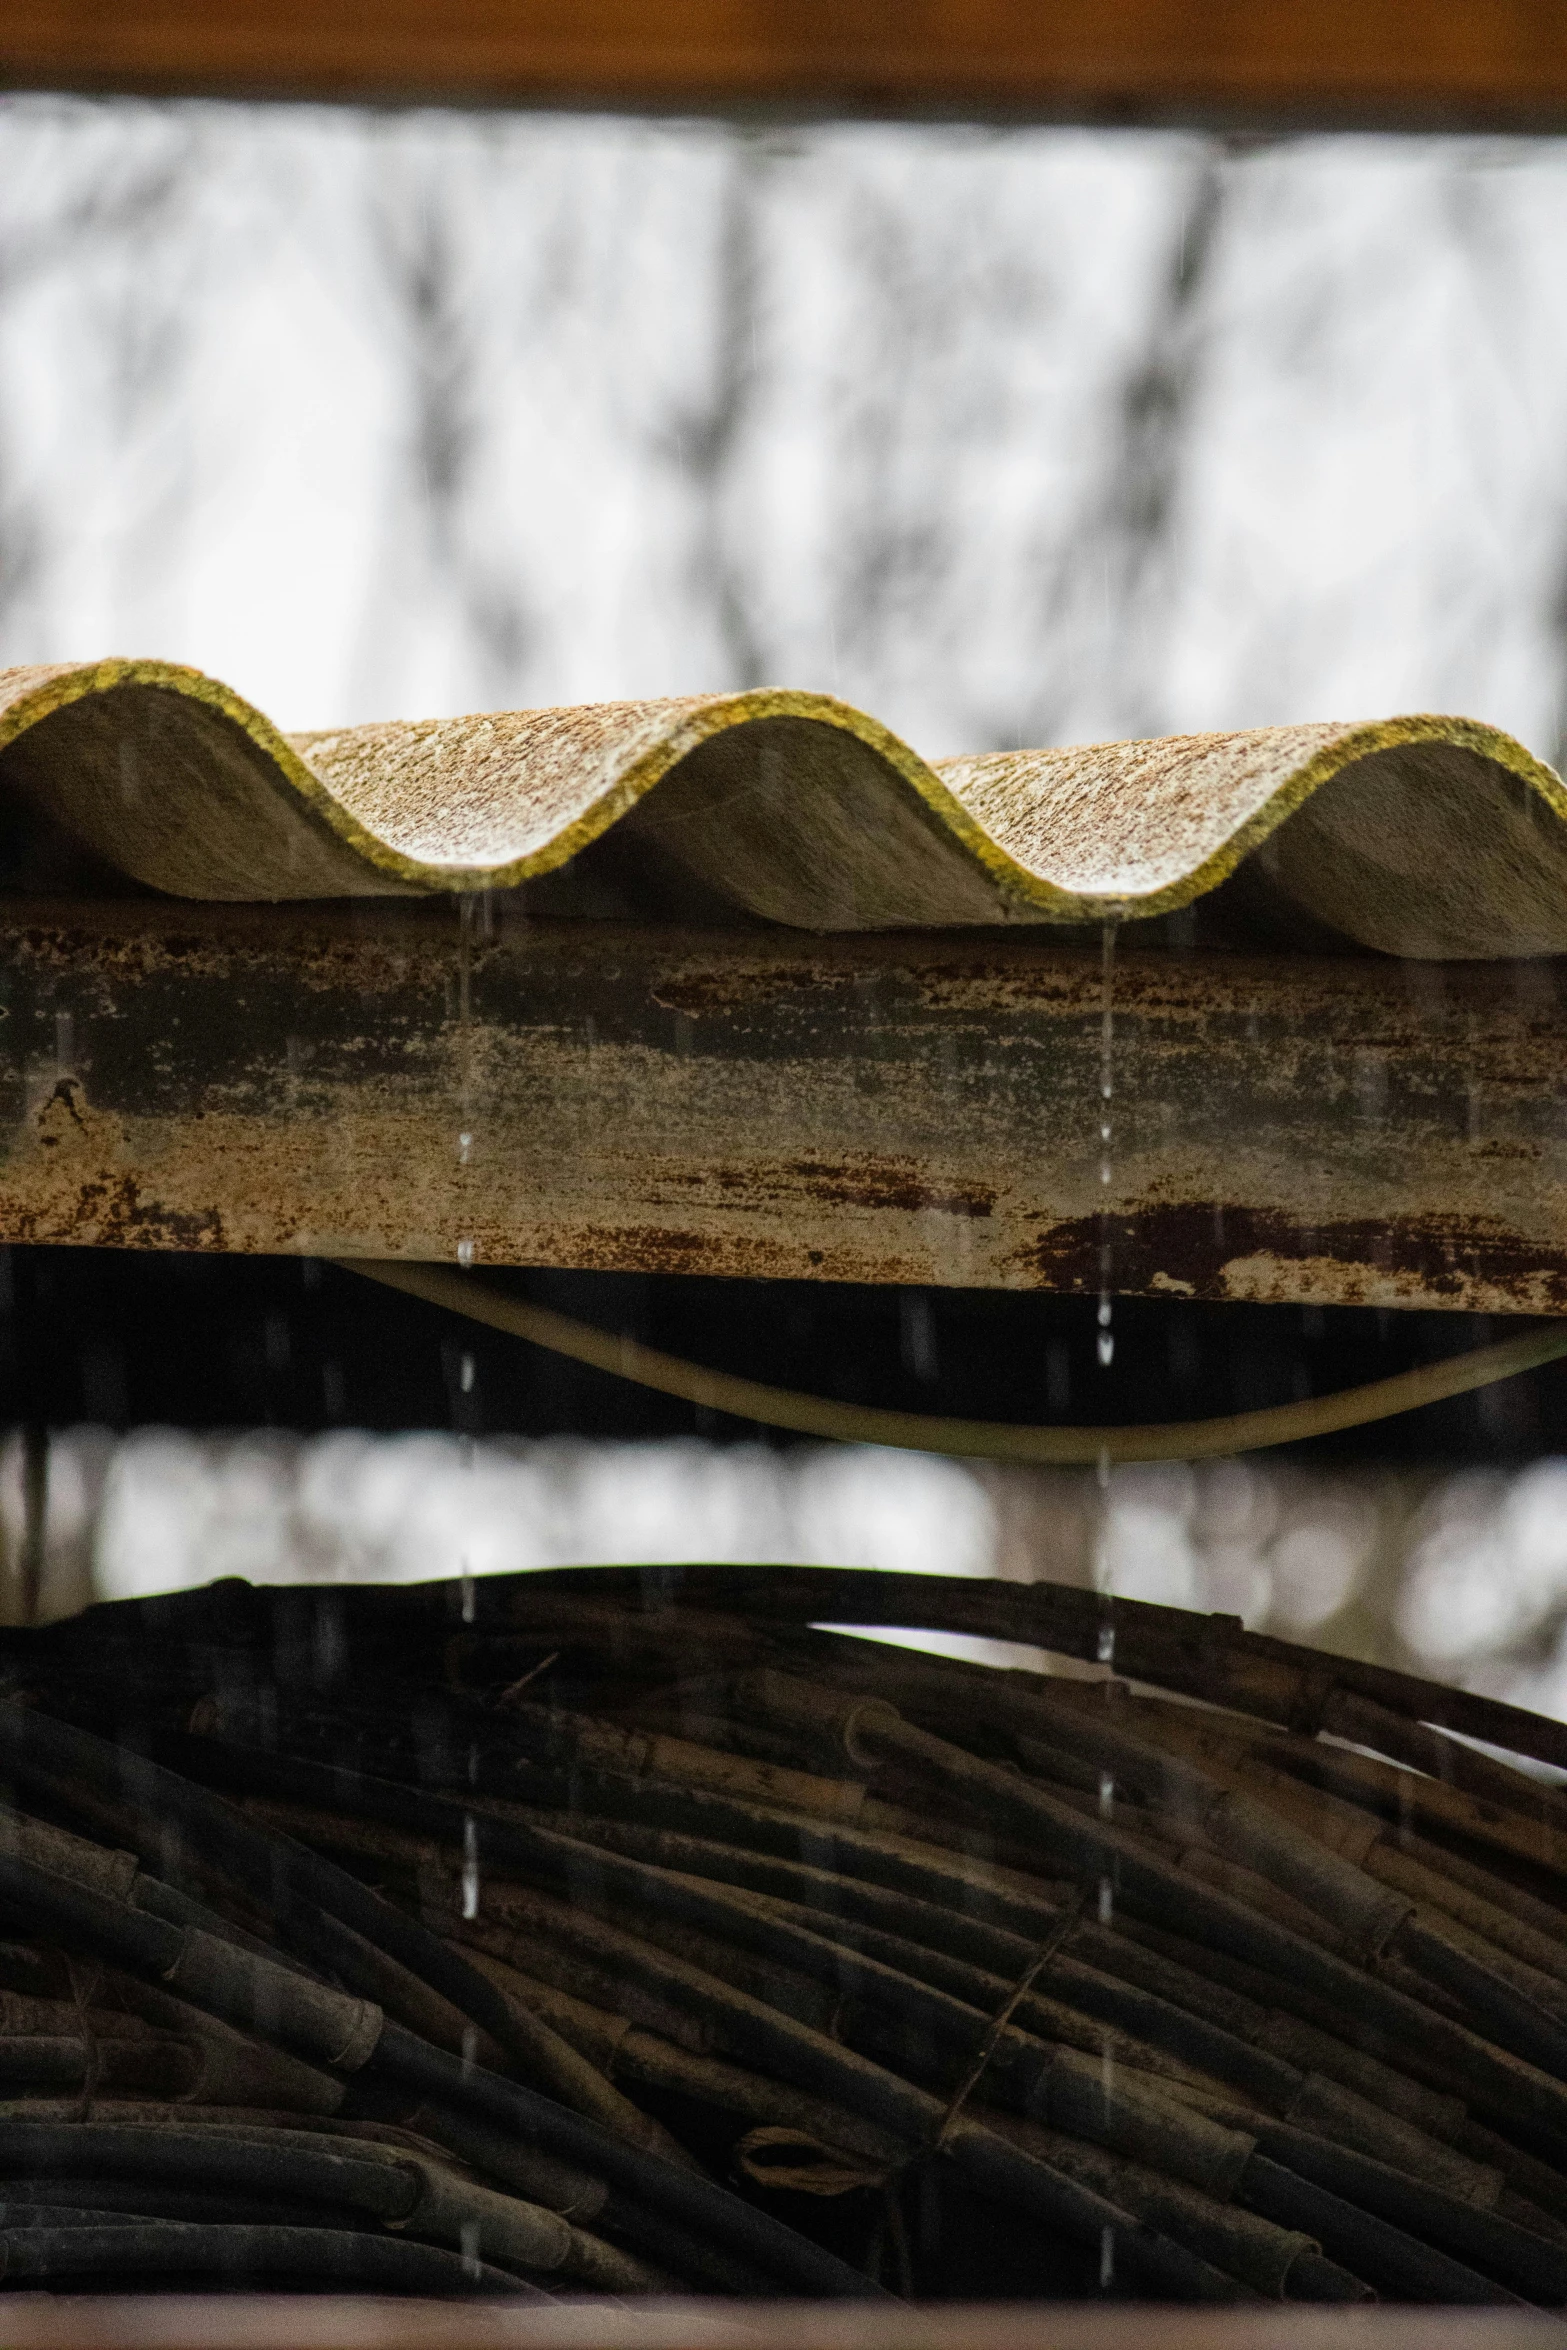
x: 469, y: 906
x: 470, y: 1867
x: 467, y: 913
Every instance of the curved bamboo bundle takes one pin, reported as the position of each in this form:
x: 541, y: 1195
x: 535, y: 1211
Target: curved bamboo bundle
x: 1204, y: 2008
x: 1421, y: 836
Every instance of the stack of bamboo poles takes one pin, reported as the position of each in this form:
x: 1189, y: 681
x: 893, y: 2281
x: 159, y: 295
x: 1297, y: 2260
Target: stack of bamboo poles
x: 562, y: 1932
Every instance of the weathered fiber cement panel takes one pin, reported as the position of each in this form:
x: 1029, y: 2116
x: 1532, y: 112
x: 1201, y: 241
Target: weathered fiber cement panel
x: 1436, y: 838
x: 897, y: 1109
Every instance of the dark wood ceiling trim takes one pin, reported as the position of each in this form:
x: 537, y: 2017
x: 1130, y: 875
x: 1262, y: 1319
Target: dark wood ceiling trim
x: 1475, y: 64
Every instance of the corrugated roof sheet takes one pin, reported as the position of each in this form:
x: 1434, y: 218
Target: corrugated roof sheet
x: 1424, y: 836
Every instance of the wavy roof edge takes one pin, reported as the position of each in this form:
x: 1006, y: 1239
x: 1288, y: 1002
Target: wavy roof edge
x: 1421, y: 835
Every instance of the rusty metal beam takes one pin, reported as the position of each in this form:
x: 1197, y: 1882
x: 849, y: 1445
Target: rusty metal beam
x: 1445, y: 64
x: 911, y: 1109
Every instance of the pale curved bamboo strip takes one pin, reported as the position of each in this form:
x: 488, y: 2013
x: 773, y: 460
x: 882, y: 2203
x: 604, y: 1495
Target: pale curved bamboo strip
x: 991, y: 1440
x: 1423, y: 836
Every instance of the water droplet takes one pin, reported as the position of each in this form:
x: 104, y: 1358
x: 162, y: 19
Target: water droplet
x: 468, y: 908
x: 470, y: 1867
x: 1107, y: 1644
x: 467, y: 1595
x: 1106, y: 1795
x: 1106, y: 1346
x: 465, y: 1375
x: 1106, y: 2259
x: 1106, y: 1918
x: 468, y: 2236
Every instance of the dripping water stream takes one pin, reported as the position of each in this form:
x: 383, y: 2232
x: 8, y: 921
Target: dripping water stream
x: 471, y: 906
x: 1106, y: 1342
x: 467, y: 911
x: 1105, y: 1345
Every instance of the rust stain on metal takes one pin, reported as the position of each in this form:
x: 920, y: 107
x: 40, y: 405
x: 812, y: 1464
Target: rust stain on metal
x: 1240, y: 1252
x: 866, y: 1182
x: 873, y: 1183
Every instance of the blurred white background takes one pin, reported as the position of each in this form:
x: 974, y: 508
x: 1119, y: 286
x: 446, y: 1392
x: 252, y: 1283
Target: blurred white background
x: 1026, y: 436
x: 1463, y: 1575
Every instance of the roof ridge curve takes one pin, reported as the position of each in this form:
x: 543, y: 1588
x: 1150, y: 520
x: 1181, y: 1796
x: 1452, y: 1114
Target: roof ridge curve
x: 1419, y: 835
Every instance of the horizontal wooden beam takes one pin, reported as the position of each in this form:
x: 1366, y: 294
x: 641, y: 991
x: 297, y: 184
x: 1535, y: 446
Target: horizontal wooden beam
x: 1488, y: 64
x: 918, y: 1109
x: 346, y: 2322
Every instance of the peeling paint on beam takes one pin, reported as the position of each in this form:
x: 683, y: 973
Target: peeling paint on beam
x: 915, y: 1109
